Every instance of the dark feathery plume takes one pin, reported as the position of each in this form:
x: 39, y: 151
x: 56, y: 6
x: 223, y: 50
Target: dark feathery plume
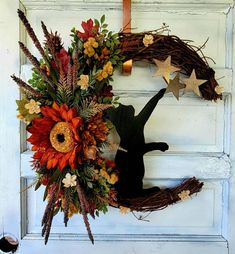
x: 49, y: 214
x: 70, y: 77
x: 32, y: 35
x: 49, y: 43
x: 26, y: 87
x: 45, y: 31
x: 84, y: 214
x: 75, y: 68
x: 36, y: 64
x: 52, y: 43
x: 48, y: 227
x: 86, y: 203
x: 66, y: 206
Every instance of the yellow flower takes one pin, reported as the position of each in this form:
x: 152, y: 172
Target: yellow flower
x: 104, y: 174
x: 107, y: 70
x: 93, y: 42
x: 124, y: 210
x: 84, y: 82
x: 89, y: 46
x: 99, y: 76
x: 69, y: 180
x: 148, y: 40
x: 33, y: 107
x: 20, y: 116
x: 113, y: 179
x: 183, y: 195
x: 219, y: 89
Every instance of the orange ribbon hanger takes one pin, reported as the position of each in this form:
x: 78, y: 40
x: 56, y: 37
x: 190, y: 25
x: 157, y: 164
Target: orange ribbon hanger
x: 127, y: 66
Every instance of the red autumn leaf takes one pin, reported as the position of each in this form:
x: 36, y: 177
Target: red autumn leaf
x: 89, y: 30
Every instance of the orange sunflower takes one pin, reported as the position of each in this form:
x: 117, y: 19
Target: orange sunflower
x: 55, y: 137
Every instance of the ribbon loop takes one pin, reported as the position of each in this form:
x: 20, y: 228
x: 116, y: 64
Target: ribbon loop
x: 127, y: 66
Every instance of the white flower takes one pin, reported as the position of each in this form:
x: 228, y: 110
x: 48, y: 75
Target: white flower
x: 219, y: 89
x: 183, y: 195
x: 147, y: 40
x: 69, y: 180
x: 33, y: 107
x: 84, y: 82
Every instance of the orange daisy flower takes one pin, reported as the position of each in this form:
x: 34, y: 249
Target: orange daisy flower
x: 55, y: 137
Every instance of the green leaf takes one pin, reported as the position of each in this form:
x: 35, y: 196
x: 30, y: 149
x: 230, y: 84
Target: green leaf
x: 37, y: 185
x: 104, y: 25
x: 116, y: 57
x: 104, y: 31
x: 97, y: 23
x: 117, y: 51
x: 108, y: 44
x: 113, y: 61
x: 56, y: 211
x: 73, y: 30
x: 56, y: 175
x: 102, y: 19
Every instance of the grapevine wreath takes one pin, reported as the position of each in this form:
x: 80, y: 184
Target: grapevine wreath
x: 69, y: 109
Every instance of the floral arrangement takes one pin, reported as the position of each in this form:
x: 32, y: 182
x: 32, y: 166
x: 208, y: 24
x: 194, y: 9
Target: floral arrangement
x: 64, y: 111
x: 65, y: 108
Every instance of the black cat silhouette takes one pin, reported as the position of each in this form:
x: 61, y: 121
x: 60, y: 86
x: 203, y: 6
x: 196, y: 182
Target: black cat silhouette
x: 130, y: 163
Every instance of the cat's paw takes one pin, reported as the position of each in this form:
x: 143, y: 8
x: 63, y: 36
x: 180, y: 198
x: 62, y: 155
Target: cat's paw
x: 164, y: 147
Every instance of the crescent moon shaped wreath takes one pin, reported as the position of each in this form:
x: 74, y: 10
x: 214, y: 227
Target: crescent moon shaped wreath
x: 69, y: 109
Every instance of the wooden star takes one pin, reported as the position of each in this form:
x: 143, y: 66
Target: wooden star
x: 165, y: 68
x: 174, y: 86
x: 192, y: 83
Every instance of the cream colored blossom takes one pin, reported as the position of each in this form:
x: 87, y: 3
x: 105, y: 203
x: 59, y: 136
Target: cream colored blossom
x: 84, y: 82
x: 219, y: 89
x: 33, y: 107
x: 69, y: 180
x: 148, y: 40
x: 183, y: 195
x: 124, y: 210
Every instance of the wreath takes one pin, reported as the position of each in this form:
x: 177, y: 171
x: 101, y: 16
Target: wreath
x: 69, y: 109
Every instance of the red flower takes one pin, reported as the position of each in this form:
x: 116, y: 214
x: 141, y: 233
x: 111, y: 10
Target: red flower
x: 106, y: 92
x: 89, y: 30
x: 55, y: 137
x: 110, y: 164
x: 63, y: 58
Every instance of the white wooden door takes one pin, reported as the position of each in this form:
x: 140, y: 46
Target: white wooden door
x: 199, y: 134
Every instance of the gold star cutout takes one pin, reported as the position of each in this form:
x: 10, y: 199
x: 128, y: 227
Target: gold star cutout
x: 174, y: 86
x: 165, y: 68
x: 192, y: 83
